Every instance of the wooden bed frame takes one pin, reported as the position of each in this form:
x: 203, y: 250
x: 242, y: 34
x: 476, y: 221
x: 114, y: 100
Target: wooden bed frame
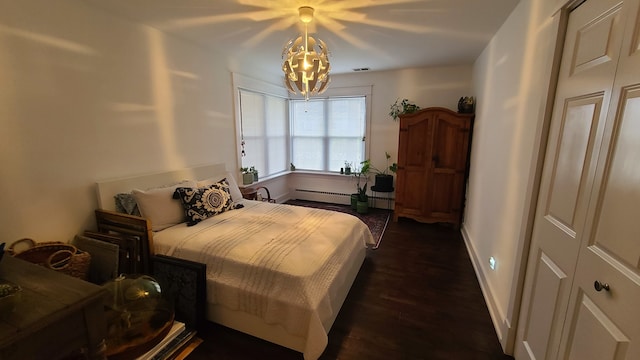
x: 133, y: 227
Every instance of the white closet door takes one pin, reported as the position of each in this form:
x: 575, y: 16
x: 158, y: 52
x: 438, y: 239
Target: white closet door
x: 571, y: 179
x: 603, y: 319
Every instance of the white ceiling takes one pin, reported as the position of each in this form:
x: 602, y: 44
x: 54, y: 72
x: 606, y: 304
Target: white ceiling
x: 374, y: 34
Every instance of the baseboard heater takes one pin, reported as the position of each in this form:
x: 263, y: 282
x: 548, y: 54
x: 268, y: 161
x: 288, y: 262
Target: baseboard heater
x: 323, y: 196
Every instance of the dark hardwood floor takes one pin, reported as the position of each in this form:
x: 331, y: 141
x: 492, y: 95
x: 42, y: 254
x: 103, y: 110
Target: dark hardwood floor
x: 416, y: 297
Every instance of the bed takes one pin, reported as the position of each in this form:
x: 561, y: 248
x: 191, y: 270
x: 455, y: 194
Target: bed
x: 274, y: 271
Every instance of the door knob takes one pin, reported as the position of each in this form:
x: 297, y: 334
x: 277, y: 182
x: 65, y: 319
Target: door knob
x: 600, y: 286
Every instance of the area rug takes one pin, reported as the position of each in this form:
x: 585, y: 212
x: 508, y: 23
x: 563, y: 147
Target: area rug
x: 376, y: 219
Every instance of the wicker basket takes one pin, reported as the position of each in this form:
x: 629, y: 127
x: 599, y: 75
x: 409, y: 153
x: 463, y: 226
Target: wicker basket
x: 57, y: 256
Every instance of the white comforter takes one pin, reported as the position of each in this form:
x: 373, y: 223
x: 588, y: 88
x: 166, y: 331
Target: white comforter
x: 281, y: 263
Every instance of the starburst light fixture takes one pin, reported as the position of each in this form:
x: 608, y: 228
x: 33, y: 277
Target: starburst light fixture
x: 306, y: 61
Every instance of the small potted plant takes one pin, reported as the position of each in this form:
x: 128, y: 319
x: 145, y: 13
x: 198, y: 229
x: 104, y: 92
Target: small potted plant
x: 360, y: 200
x: 384, y: 180
x: 347, y: 168
x: 362, y: 206
x: 247, y: 176
x: 254, y: 171
x: 402, y: 107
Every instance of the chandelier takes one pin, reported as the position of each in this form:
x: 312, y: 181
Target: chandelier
x: 306, y: 61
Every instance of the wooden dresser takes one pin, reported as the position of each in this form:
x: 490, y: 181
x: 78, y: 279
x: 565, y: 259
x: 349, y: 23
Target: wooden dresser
x: 57, y: 314
x: 433, y: 160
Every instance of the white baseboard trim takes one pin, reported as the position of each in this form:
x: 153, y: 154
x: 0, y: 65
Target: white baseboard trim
x: 500, y: 323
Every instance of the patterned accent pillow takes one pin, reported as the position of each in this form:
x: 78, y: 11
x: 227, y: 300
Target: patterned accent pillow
x: 126, y: 204
x: 205, y: 202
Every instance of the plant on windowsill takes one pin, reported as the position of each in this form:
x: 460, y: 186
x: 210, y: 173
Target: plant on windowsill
x: 402, y: 107
x: 347, y: 168
x: 384, y: 180
x: 254, y: 171
x: 247, y: 176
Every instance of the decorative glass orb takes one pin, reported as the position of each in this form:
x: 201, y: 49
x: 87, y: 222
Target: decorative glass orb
x: 138, y: 317
x: 10, y: 295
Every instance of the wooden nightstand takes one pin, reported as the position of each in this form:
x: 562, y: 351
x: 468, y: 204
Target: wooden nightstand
x: 56, y: 316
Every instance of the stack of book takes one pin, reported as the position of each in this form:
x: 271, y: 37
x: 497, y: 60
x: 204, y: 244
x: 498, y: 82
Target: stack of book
x: 178, y: 343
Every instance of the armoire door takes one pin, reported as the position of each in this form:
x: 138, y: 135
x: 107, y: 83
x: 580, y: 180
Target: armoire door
x: 448, y: 167
x: 584, y: 236
x: 414, y: 160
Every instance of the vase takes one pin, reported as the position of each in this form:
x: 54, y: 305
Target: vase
x: 362, y: 207
x: 354, y: 201
x: 136, y: 314
x: 247, y: 178
x: 466, y: 105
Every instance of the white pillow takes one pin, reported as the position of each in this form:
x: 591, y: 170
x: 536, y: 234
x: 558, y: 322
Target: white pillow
x: 159, y: 206
x: 234, y: 190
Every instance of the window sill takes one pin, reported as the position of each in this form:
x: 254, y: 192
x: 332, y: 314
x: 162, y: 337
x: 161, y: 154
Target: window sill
x: 263, y: 180
x: 267, y: 179
x: 321, y: 173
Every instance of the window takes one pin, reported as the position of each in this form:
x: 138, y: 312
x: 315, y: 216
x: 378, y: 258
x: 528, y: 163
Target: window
x: 319, y: 135
x: 264, y: 129
x: 326, y: 133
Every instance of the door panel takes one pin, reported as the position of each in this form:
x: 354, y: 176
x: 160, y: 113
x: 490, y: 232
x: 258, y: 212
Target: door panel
x: 573, y: 160
x: 449, y: 162
x: 595, y: 42
x: 417, y: 133
x: 590, y: 324
x: 451, y: 135
x: 547, y: 286
x: 618, y: 220
x: 413, y: 161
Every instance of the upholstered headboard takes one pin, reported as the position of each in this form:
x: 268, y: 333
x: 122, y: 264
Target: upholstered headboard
x: 109, y: 188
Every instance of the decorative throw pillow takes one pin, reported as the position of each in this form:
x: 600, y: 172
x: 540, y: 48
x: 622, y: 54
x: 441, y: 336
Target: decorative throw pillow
x: 234, y: 190
x: 204, y: 202
x: 126, y: 204
x: 159, y: 206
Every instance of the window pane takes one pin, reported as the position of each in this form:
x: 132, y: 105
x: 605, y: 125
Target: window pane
x: 308, y: 118
x: 345, y: 149
x: 346, y: 117
x: 307, y: 153
x: 276, y: 112
x: 326, y: 133
x: 277, y: 155
x: 254, y: 154
x: 264, y: 128
x: 253, y: 115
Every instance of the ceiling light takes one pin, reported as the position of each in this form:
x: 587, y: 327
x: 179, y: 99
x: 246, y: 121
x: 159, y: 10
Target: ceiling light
x: 306, y: 61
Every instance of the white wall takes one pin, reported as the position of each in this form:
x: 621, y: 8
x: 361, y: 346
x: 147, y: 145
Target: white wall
x: 511, y: 81
x: 87, y: 96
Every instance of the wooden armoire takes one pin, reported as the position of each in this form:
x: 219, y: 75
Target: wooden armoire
x: 433, y: 161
